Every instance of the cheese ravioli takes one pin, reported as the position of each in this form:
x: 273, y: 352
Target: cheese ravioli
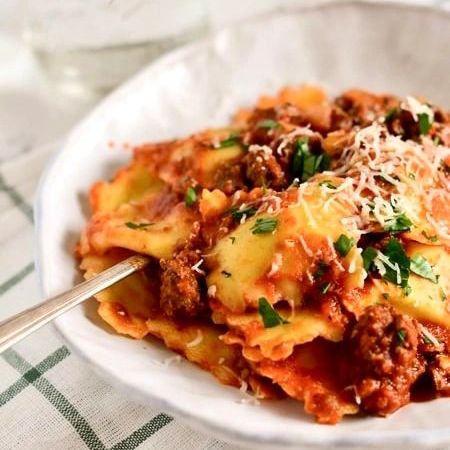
x: 301, y: 252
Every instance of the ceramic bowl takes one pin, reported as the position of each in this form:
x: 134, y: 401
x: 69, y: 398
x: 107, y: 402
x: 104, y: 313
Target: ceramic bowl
x: 380, y: 47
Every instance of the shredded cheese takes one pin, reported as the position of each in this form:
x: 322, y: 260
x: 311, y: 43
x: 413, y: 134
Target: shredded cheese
x: 429, y: 335
x: 276, y: 264
x: 307, y: 250
x: 415, y: 108
x: 212, y: 290
x: 197, y: 340
x: 196, y: 267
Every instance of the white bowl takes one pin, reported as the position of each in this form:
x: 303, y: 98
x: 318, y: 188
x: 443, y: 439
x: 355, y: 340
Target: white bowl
x: 381, y: 47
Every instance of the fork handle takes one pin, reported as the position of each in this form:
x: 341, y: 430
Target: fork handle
x: 21, y: 325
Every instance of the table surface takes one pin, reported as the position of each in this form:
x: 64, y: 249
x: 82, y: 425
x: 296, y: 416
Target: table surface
x: 48, y: 397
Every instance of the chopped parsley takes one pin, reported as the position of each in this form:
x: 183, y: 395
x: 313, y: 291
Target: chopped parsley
x: 137, y: 226
x: 264, y: 187
x: 431, y: 238
x: 436, y: 140
x: 398, y: 258
x: 424, y: 123
x: 412, y: 175
x: 398, y: 223
x: 420, y: 266
x: 237, y: 213
x: 190, y: 197
x: 368, y: 255
x: 385, y: 295
x: 391, y: 114
x: 264, y: 225
x: 325, y: 287
x: 268, y: 124
x: 426, y: 339
x: 322, y: 268
x: 328, y: 184
x: 396, y: 269
x: 442, y: 294
x: 269, y: 316
x: 344, y: 244
x: 226, y: 274
x: 401, y: 336
x: 231, y: 141
x: 232, y: 239
x: 305, y: 164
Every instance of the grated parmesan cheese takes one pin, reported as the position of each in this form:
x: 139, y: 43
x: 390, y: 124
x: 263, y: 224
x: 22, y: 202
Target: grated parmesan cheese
x: 197, y: 340
x: 196, y: 267
x: 250, y: 400
x: 168, y: 361
x: 429, y: 335
x: 264, y: 149
x: 307, y: 250
x: 353, y: 388
x: 212, y: 290
x: 276, y: 264
x: 289, y: 137
x: 415, y: 108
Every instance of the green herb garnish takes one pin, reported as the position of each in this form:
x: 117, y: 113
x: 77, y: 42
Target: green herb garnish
x: 264, y: 187
x: 268, y: 124
x: 431, y: 238
x: 368, y: 255
x: 391, y: 114
x: 322, y: 268
x: 137, y: 226
x: 436, y: 140
x: 385, y: 295
x: 232, y: 239
x: 401, y: 336
x: 264, y: 225
x: 398, y: 223
x: 190, y: 197
x: 305, y: 164
x: 231, y: 141
x: 269, y: 316
x: 344, y: 244
x: 424, y: 123
x: 420, y: 266
x: 398, y: 258
x: 226, y: 274
x: 328, y: 184
x: 237, y: 213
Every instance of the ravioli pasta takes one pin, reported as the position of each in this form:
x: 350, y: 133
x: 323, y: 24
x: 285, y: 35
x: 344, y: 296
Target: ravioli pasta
x: 302, y: 251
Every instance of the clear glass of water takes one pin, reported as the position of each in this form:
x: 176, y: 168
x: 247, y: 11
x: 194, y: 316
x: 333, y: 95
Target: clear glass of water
x: 95, y: 44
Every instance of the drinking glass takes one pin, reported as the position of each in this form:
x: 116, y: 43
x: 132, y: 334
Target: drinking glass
x: 95, y: 44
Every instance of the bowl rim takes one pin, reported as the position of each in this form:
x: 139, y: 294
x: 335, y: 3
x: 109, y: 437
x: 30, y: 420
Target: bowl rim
x: 410, y: 437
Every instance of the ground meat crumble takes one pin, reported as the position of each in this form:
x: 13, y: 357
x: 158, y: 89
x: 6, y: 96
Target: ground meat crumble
x: 383, y: 360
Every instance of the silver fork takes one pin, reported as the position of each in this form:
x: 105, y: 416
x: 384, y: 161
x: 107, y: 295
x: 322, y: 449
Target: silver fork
x: 21, y: 325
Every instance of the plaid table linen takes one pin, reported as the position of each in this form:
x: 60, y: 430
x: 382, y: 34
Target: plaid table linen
x: 49, y: 398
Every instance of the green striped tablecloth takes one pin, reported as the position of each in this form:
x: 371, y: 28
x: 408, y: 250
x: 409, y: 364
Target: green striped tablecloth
x: 49, y: 398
